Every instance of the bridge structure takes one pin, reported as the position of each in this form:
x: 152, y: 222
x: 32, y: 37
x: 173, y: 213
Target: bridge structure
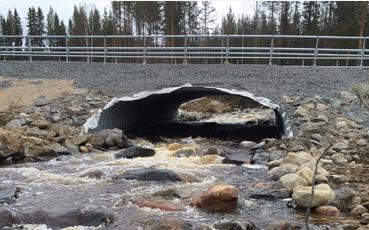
x: 296, y: 50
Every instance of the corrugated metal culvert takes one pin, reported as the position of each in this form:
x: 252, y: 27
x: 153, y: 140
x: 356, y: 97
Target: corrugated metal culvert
x: 156, y: 113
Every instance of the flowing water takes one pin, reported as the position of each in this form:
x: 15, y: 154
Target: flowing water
x: 84, y: 182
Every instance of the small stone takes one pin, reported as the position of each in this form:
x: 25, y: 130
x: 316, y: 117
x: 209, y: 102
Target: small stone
x: 319, y: 118
x: 80, y: 140
x: 83, y: 149
x: 343, y: 145
x: 211, y: 151
x: 339, y: 158
x: 220, y: 198
x: 260, y: 158
x: 359, y: 210
x: 235, y: 225
x: 76, y: 110
x: 36, y: 132
x: 174, y: 146
x: 361, y: 142
x: 41, y: 101
x: 301, y: 112
x: 15, y: 124
x: 364, y: 218
x: 292, y: 180
x: 41, y: 124
x: 341, y: 125
x: 277, y: 154
x: 327, y: 210
x: 247, y: 144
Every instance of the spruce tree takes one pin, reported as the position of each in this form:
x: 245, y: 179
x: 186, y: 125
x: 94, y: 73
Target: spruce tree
x: 17, y: 28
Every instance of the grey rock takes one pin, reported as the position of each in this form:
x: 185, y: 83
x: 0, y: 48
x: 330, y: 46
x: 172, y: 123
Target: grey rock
x: 260, y: 157
x: 235, y: 225
x: 152, y: 174
x: 185, y: 153
x: 41, y: 101
x: 134, y: 152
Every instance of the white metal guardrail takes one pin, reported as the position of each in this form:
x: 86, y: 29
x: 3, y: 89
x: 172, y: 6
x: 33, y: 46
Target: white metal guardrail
x: 255, y: 49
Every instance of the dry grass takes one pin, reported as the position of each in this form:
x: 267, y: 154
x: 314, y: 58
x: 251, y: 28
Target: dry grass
x: 23, y: 93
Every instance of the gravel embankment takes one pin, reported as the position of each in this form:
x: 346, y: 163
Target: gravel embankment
x: 125, y: 79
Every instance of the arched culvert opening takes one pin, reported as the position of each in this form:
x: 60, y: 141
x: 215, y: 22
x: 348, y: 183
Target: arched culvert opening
x: 159, y: 113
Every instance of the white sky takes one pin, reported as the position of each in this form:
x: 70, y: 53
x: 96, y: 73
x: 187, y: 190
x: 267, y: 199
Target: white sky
x: 64, y: 8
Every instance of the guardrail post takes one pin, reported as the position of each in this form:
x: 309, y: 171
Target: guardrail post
x: 271, y: 50
x: 362, y: 53
x: 145, y: 50
x: 316, y: 49
x: 227, y: 51
x: 104, y: 49
x: 29, y: 48
x: 185, y: 51
x: 66, y: 49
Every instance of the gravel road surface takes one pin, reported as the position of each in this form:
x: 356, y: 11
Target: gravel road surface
x: 125, y: 79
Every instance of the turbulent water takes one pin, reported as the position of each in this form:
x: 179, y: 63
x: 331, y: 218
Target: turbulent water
x: 84, y: 182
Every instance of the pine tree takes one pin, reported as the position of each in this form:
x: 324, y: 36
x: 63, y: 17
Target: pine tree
x: 207, y: 17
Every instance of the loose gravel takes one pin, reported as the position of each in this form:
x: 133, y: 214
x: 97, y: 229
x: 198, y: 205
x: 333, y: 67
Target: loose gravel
x: 125, y: 79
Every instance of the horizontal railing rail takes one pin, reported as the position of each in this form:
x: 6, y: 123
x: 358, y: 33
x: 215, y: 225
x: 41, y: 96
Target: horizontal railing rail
x: 240, y: 49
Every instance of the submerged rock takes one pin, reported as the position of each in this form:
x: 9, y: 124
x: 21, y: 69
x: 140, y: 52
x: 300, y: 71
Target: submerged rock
x: 235, y: 225
x: 323, y: 194
x: 220, y: 198
x: 152, y: 174
x: 8, y: 194
x: 185, y: 153
x: 55, y: 220
x: 163, y: 205
x: 135, y: 151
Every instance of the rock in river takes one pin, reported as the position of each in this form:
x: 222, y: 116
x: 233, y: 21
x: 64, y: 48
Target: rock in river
x: 135, y: 151
x: 220, y: 198
x: 323, y: 195
x: 152, y: 174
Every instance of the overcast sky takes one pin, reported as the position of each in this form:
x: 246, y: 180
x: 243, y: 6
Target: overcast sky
x: 64, y: 8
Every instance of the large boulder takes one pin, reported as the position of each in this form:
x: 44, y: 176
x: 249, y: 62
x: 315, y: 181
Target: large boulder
x: 297, y: 158
x: 109, y: 138
x: 323, y: 195
x: 205, y: 105
x: 291, y: 181
x: 282, y: 170
x: 152, y: 174
x: 135, y: 151
x: 306, y: 173
x: 220, y: 198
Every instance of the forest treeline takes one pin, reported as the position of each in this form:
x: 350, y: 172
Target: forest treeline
x: 189, y: 17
